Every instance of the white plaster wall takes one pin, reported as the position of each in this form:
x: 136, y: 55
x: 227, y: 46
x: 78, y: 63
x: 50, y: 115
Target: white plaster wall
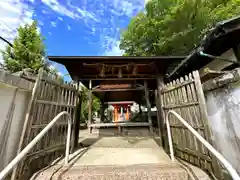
x: 21, y: 102
x: 223, y: 107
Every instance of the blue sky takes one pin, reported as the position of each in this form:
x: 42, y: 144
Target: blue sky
x: 72, y: 27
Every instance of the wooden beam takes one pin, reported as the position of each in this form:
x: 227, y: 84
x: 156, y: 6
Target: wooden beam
x: 116, y: 86
x: 93, y: 75
x: 184, y: 127
x: 128, y: 124
x: 39, y: 101
x: 115, y: 90
x: 148, y: 106
x: 193, y: 153
x: 171, y: 88
x: 106, y: 64
x: 180, y: 105
x: 50, y: 81
x: 121, y: 102
x: 116, y: 79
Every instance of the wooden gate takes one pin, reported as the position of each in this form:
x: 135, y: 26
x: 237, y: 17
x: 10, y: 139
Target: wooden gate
x: 49, y: 97
x: 185, y: 96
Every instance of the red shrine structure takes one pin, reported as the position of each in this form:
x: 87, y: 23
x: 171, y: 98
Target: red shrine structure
x: 121, y: 111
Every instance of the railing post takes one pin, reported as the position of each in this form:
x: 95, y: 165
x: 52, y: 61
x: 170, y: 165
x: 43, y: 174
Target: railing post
x: 26, y: 150
x: 68, y: 140
x: 218, y: 155
x: 169, y: 139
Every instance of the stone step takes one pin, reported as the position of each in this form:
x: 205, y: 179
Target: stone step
x: 110, y: 172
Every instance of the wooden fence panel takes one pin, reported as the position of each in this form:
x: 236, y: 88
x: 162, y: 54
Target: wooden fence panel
x: 185, y: 96
x: 51, y: 98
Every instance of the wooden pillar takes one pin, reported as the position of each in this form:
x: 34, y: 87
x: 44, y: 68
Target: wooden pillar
x: 158, y: 113
x: 148, y: 106
x: 102, y: 111
x: 90, y: 106
x: 160, y: 85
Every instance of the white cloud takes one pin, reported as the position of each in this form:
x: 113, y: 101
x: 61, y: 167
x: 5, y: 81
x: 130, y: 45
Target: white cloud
x: 93, y: 15
x: 45, y: 12
x: 70, y: 10
x: 127, y: 7
x: 53, y: 24
x: 40, y: 23
x: 60, y: 18
x: 109, y: 37
x: 59, y: 8
x: 112, y: 47
x: 88, y: 14
x: 13, y: 14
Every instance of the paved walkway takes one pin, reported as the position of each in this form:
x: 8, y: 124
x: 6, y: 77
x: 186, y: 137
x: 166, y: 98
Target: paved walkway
x: 123, y: 151
x: 115, y: 158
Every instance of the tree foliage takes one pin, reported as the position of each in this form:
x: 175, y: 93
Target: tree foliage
x: 28, y: 50
x: 84, y: 106
x: 174, y: 27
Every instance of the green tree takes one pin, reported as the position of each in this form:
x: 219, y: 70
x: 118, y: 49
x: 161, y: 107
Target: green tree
x: 27, y: 52
x: 84, y: 106
x: 174, y: 27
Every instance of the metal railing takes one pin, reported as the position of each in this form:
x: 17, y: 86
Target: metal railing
x: 218, y: 155
x: 26, y: 150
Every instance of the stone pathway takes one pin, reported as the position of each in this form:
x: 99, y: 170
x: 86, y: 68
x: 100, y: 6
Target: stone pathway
x: 120, y: 158
x: 124, y: 151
